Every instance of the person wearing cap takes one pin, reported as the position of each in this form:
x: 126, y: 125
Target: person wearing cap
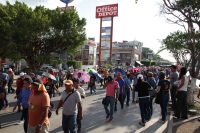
x: 71, y: 102
x: 82, y: 93
x: 39, y: 103
x: 142, y: 93
x: 19, y: 84
x: 10, y: 80
x: 163, y: 88
x: 173, y: 77
x: 111, y: 86
x: 23, y: 99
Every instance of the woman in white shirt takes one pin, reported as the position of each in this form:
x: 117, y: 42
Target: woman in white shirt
x: 181, y: 94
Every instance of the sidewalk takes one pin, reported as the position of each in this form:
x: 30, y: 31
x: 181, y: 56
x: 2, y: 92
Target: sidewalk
x: 153, y: 126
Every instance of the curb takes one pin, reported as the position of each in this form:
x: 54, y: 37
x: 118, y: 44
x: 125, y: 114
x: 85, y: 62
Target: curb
x: 184, y: 121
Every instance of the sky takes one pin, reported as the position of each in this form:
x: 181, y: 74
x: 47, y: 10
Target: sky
x: 140, y: 21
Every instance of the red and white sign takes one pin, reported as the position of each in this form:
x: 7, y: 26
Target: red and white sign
x: 107, y: 11
x: 66, y: 8
x: 91, y: 43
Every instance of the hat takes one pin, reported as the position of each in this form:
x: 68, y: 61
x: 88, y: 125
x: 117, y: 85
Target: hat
x: 21, y: 74
x: 68, y: 82
x: 10, y: 69
x: 37, y: 82
x: 140, y: 76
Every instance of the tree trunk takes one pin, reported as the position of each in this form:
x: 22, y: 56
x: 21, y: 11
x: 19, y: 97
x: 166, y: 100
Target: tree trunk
x: 190, y: 97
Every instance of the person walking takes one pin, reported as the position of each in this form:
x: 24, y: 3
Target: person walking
x: 173, y: 77
x: 181, y: 93
x: 128, y: 88
x: 121, y: 83
x: 82, y: 93
x: 39, y: 103
x: 111, y: 86
x: 2, y: 95
x: 152, y: 82
x: 23, y: 99
x: 134, y: 84
x: 71, y: 102
x: 3, y: 84
x: 163, y: 88
x: 142, y: 93
x: 50, y: 86
x: 91, y: 84
x: 10, y: 80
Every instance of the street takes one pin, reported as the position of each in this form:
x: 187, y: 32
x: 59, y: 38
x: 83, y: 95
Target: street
x: 125, y: 121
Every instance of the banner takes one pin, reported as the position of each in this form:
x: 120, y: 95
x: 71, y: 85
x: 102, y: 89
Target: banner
x: 106, y: 19
x: 107, y: 11
x: 66, y: 8
x: 106, y: 30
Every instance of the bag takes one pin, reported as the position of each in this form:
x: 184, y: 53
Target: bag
x: 158, y: 98
x: 105, y: 102
x: 49, y: 113
x: 153, y: 93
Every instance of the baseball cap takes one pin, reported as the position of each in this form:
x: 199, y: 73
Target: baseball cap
x: 68, y: 82
x: 21, y: 74
x: 10, y: 69
x: 37, y: 82
x: 140, y: 76
x: 162, y: 74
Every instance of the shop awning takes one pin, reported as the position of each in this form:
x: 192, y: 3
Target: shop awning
x: 139, y: 63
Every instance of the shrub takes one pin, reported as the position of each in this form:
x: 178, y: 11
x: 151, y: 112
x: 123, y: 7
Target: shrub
x: 75, y: 64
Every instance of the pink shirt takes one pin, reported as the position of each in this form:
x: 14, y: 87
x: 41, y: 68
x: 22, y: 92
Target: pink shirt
x: 110, y: 89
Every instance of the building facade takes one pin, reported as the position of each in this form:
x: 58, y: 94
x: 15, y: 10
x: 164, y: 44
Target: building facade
x: 123, y: 53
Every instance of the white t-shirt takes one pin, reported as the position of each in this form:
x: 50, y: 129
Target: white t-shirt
x: 81, y: 91
x: 184, y: 87
x: 80, y: 81
x: 112, y: 74
x: 70, y: 105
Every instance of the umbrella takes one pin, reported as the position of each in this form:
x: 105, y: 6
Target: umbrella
x: 84, y: 75
x: 98, y: 76
x: 120, y: 70
x: 48, y: 75
x: 90, y: 69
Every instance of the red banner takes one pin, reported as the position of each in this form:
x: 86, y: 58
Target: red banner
x: 107, y: 11
x: 66, y: 8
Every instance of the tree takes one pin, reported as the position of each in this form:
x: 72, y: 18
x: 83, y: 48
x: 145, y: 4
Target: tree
x: 185, y: 13
x: 176, y: 43
x: 33, y: 34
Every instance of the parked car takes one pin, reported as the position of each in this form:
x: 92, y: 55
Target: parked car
x: 44, y: 68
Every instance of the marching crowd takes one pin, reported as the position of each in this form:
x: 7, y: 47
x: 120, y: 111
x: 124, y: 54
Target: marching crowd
x: 146, y: 85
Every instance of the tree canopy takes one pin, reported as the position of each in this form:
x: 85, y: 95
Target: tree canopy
x: 33, y: 34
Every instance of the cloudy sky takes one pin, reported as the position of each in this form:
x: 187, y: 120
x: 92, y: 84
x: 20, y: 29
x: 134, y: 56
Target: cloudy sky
x: 135, y: 21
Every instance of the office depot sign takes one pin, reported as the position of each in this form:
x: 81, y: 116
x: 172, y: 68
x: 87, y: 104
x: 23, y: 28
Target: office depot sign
x: 107, y: 11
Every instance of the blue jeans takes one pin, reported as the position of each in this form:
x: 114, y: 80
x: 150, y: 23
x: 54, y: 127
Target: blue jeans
x: 69, y: 123
x: 50, y: 96
x: 111, y: 101
x: 5, y: 98
x: 92, y: 88
x: 163, y: 105
x: 127, y: 94
x: 144, y: 108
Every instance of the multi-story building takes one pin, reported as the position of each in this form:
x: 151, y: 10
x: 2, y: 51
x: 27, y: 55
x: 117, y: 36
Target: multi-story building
x: 122, y: 53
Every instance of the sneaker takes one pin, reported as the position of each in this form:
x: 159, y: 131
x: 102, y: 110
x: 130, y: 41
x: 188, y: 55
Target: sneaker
x: 20, y: 122
x: 110, y: 120
x: 142, y: 124
x: 107, y: 117
x: 161, y: 121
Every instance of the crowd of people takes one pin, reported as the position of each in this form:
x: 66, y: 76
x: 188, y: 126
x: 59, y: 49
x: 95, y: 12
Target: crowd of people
x: 146, y: 85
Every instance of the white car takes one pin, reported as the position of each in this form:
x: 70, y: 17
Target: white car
x: 44, y: 68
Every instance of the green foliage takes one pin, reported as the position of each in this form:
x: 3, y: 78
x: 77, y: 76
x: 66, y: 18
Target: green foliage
x: 148, y: 63
x: 107, y: 66
x: 32, y: 34
x: 75, y: 64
